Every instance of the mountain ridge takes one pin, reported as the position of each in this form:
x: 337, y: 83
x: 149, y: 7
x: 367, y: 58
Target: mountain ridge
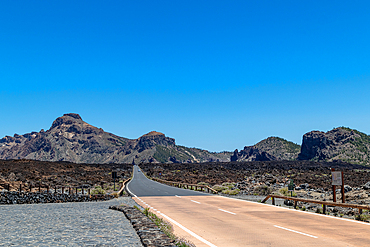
x: 71, y: 139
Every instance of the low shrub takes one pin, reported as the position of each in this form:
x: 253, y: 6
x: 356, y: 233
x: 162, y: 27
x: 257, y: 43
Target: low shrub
x: 219, y: 188
x: 231, y: 192
x: 203, y: 183
x: 228, y: 185
x: 362, y: 217
x: 98, y: 191
x: 285, y: 192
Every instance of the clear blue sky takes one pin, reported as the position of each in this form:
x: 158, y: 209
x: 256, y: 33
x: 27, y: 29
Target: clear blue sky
x: 217, y: 75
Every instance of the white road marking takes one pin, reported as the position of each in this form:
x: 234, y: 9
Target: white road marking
x: 188, y: 231
x: 195, y: 201
x: 305, y: 234
x: 226, y: 211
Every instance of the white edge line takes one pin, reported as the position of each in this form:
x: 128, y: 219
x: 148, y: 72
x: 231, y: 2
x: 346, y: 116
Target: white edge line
x: 188, y: 231
x: 305, y: 234
x: 226, y: 211
x: 303, y: 212
x: 195, y: 201
x: 133, y: 176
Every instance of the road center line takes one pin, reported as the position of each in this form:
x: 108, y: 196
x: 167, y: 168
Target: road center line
x: 195, y: 201
x: 308, y: 235
x: 188, y: 231
x: 226, y: 211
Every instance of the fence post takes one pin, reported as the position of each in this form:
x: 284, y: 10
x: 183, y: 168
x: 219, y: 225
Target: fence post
x: 20, y: 188
x: 47, y: 189
x: 69, y: 192
x: 295, y: 204
x: 324, y: 209
x: 62, y: 190
x: 88, y: 191
x: 8, y: 187
x: 273, y: 200
x: 76, y: 190
x: 30, y: 188
x: 39, y: 187
x: 55, y: 190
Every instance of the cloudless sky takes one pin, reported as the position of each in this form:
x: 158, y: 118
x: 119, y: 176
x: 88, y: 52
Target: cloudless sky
x: 216, y: 75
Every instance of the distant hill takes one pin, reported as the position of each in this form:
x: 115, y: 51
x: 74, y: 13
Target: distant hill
x: 71, y: 139
x: 341, y: 143
x: 272, y: 148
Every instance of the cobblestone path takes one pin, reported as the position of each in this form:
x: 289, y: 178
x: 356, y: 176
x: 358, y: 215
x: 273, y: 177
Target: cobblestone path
x: 66, y: 224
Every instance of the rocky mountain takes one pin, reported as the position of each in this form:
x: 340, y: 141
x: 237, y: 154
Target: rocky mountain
x: 272, y: 148
x: 71, y: 139
x: 341, y: 143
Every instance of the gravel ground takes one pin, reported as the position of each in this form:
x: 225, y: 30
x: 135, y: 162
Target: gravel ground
x: 67, y: 224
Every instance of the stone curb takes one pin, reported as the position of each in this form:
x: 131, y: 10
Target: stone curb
x: 33, y: 198
x: 149, y: 233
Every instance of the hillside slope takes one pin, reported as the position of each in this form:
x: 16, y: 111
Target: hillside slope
x: 272, y: 148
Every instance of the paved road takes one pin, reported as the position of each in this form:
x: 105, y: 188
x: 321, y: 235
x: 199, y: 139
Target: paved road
x: 141, y: 186
x: 66, y: 224
x: 220, y: 221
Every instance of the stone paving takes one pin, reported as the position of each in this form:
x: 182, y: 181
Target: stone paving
x: 67, y: 224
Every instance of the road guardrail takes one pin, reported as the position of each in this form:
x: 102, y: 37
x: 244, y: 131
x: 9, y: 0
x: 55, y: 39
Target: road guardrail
x: 323, y: 203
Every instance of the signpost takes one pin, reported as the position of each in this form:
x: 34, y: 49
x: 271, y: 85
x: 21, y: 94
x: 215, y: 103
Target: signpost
x: 291, y: 187
x: 337, y: 179
x: 114, y: 176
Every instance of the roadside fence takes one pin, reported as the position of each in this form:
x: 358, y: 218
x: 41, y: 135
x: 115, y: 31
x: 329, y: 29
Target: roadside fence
x: 323, y: 203
x: 195, y: 187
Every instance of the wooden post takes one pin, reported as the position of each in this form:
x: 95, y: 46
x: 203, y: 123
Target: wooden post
x: 55, y: 190
x: 62, y: 190
x: 76, y: 190
x: 88, y: 191
x: 69, y: 190
x: 20, y: 188
x: 47, y: 189
x: 334, y: 192
x: 30, y: 187
x: 273, y: 200
x: 295, y: 204
x: 324, y: 209
x: 343, y: 196
x: 40, y: 187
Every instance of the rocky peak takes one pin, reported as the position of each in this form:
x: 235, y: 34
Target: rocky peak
x: 338, y: 144
x: 153, y: 133
x: 152, y: 139
x: 67, y: 119
x: 73, y: 115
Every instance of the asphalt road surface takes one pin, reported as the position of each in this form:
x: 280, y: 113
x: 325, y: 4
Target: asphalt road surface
x: 209, y: 220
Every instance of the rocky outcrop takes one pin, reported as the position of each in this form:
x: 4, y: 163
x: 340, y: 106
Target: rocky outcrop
x: 339, y: 144
x: 272, y: 148
x: 71, y: 139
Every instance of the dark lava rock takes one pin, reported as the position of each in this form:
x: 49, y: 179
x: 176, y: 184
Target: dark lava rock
x: 149, y: 233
